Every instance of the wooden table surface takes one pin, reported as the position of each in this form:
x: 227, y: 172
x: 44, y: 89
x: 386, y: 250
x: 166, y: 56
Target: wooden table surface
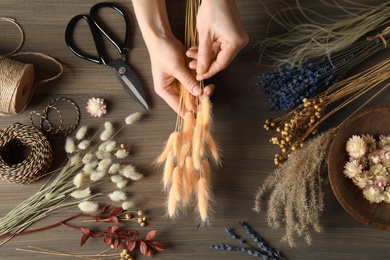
x: 239, y: 113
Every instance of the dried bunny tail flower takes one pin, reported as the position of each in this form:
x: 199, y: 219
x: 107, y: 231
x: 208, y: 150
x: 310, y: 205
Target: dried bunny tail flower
x: 102, y: 146
x: 188, y: 126
x: 102, y: 155
x: 127, y: 205
x: 104, y: 164
x: 83, y: 145
x: 121, y: 154
x: 127, y: 170
x: 111, y: 146
x: 96, y: 107
x: 117, y: 178
x: 213, y: 148
x: 90, y: 167
x: 70, y: 146
x: 187, y: 182
x: 75, y: 160
x: 114, y: 168
x: 78, y: 180
x: 204, y: 200
x: 81, y: 133
x: 87, y: 158
x: 108, y: 131
x: 168, y: 170
x: 81, y: 194
x: 135, y: 176
x: 97, y: 176
x: 133, y: 118
x: 168, y: 147
x: 206, y: 113
x: 117, y: 195
x: 88, y: 206
x: 176, y: 184
x: 121, y: 184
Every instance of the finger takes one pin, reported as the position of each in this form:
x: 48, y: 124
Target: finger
x: 223, y: 59
x: 192, y: 52
x: 208, y: 90
x: 204, y: 56
x: 188, y: 81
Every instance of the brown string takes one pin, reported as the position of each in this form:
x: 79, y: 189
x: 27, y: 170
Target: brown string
x: 13, y: 21
x: 382, y: 36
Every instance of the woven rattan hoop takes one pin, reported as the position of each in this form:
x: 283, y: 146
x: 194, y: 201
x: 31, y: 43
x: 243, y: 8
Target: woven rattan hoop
x: 35, y: 165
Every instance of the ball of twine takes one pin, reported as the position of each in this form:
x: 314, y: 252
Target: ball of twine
x: 35, y: 165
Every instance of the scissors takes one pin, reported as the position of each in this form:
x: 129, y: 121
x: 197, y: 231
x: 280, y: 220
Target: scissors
x: 126, y: 75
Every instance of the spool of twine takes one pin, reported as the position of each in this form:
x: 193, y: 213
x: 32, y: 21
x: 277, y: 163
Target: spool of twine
x: 16, y: 86
x: 17, y: 79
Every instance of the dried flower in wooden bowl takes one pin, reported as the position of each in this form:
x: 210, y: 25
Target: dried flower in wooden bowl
x: 355, y: 139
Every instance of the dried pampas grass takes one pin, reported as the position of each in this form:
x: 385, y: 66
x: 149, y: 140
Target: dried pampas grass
x: 294, y: 190
x: 191, y: 147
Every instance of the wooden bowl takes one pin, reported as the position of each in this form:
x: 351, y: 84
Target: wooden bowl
x: 374, y: 121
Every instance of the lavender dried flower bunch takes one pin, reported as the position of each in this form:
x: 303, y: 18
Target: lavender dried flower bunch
x: 262, y: 250
x: 287, y: 86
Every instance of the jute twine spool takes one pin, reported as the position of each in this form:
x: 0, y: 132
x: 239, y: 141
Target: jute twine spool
x: 17, y: 78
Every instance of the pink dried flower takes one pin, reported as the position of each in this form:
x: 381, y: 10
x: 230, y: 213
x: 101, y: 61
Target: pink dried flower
x: 96, y: 107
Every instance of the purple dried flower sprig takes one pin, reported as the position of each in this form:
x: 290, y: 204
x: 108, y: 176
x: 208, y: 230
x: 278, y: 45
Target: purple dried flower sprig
x: 289, y: 85
x: 262, y: 250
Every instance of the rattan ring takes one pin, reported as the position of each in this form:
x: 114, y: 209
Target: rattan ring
x: 38, y: 160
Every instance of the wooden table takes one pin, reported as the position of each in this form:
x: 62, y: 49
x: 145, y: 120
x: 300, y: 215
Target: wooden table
x: 239, y: 113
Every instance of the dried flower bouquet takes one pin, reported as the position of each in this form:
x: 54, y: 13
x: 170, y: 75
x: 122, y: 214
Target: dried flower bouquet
x: 89, y: 164
x: 191, y: 147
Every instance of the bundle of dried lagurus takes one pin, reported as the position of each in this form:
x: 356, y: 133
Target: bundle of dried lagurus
x: 191, y: 148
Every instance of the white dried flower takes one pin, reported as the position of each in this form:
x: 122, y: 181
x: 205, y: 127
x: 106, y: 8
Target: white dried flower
x: 114, y: 168
x: 96, y: 107
x: 356, y: 146
x: 108, y: 131
x: 116, y: 178
x: 111, y: 145
x: 133, y: 118
x: 117, y: 195
x: 75, y: 159
x: 127, y: 170
x: 78, y: 179
x: 104, y: 164
x: 81, y: 194
x: 88, y: 206
x: 97, y: 176
x: 87, y: 158
x: 352, y: 168
x: 121, y: 184
x: 81, y: 133
x: 121, y: 154
x: 84, y: 144
x: 90, y: 167
x: 102, y: 146
x: 127, y: 205
x: 70, y: 146
x: 101, y: 155
x: 135, y: 176
x: 373, y: 194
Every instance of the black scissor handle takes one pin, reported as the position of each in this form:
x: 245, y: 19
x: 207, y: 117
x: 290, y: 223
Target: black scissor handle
x: 121, y: 48
x: 72, y: 46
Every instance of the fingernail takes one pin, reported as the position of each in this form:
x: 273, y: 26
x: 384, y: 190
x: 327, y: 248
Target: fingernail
x: 196, y: 91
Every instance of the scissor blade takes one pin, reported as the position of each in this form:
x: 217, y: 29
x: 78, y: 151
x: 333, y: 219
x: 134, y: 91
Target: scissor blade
x: 129, y: 81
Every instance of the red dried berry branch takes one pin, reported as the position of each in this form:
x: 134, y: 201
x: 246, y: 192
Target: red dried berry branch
x: 112, y: 236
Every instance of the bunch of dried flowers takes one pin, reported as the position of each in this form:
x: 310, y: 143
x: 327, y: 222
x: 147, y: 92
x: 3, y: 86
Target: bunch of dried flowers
x: 191, y: 147
x: 320, y: 62
x: 89, y: 164
x: 294, y: 127
x: 369, y: 166
x: 113, y: 236
x: 263, y: 250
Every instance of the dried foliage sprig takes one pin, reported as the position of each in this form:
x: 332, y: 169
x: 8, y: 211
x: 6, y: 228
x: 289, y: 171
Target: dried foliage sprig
x: 312, y: 35
x: 294, y: 127
x: 191, y: 148
x: 89, y: 164
x: 287, y: 86
x: 113, y: 236
x: 262, y: 249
